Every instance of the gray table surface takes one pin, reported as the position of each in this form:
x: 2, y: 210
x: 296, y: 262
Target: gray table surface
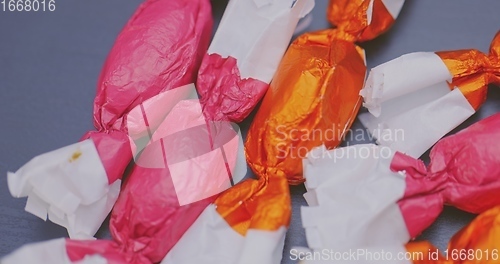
x: 50, y: 61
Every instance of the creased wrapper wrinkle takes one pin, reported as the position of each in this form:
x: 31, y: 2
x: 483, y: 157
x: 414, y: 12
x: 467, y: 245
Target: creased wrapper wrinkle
x: 428, y: 91
x: 159, y: 49
x: 395, y: 195
x: 245, y: 53
x: 314, y: 97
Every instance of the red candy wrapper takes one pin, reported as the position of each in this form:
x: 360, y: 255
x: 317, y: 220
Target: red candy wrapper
x: 386, y: 197
x: 178, y: 174
x: 245, y: 53
x: 159, y: 49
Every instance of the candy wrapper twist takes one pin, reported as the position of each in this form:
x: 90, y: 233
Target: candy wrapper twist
x: 427, y: 91
x: 245, y: 53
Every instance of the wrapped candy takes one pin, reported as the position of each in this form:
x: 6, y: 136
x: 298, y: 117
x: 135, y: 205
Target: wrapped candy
x: 475, y: 243
x: 314, y: 96
x: 160, y: 48
x: 426, y: 91
x: 245, y: 53
x: 187, y: 163
x: 247, y: 223
x: 386, y: 197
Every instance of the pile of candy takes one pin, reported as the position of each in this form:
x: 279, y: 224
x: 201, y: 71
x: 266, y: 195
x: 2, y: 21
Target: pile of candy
x: 185, y: 198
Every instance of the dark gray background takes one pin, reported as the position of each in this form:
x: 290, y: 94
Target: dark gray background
x: 49, y: 64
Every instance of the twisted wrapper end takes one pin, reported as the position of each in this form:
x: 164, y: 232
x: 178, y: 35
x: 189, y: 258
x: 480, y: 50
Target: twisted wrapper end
x: 69, y: 186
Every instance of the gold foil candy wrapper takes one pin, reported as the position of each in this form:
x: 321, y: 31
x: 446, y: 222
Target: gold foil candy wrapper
x: 314, y: 96
x: 313, y: 100
x: 473, y: 70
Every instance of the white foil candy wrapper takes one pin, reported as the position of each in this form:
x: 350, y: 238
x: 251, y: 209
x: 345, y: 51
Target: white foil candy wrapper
x: 247, y: 27
x: 211, y: 240
x: 343, y: 213
x: 408, y: 95
x: 55, y: 188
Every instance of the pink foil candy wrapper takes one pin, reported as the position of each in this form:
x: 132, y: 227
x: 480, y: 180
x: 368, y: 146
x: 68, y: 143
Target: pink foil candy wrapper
x: 385, y: 197
x: 188, y: 161
x: 245, y: 53
x: 160, y: 48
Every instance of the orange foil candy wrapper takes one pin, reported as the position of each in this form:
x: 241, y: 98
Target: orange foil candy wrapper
x: 427, y: 91
x: 314, y: 95
x: 477, y: 243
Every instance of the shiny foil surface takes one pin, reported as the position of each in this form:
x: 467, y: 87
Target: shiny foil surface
x: 313, y: 100
x: 473, y: 70
x: 351, y: 17
x: 314, y: 96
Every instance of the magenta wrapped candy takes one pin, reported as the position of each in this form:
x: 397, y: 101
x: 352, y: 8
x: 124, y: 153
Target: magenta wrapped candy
x: 159, y: 49
x: 188, y: 161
